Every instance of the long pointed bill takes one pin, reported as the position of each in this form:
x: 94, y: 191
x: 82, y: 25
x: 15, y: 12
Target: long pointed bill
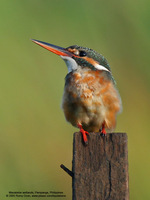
x: 53, y: 48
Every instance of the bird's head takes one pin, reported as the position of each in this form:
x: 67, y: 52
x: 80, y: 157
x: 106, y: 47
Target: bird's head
x: 76, y: 56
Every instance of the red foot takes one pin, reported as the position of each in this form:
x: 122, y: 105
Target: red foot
x: 84, y: 133
x: 103, y: 131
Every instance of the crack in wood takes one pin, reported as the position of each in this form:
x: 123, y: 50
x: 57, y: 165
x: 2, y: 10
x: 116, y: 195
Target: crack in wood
x: 110, y: 183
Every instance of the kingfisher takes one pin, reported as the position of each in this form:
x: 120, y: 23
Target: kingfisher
x: 90, y: 100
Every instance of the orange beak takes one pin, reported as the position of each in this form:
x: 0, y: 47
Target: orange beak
x: 53, y: 48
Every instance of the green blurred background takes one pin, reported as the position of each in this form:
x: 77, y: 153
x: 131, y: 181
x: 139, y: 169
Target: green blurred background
x: 34, y: 137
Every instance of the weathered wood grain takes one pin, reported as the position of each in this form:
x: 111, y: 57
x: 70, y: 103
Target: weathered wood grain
x: 101, y: 168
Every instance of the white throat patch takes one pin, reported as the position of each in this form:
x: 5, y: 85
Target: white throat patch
x: 70, y: 62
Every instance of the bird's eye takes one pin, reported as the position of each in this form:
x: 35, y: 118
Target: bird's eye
x: 82, y: 53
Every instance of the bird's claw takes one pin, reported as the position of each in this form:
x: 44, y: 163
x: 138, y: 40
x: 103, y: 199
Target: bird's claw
x: 84, y: 134
x: 103, y: 131
x: 103, y: 135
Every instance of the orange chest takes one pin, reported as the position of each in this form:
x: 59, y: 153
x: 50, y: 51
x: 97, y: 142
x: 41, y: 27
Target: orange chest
x: 88, y: 84
x: 90, y: 97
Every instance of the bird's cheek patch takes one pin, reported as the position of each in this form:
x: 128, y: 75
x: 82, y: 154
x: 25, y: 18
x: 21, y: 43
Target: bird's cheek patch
x: 95, y: 64
x: 100, y: 67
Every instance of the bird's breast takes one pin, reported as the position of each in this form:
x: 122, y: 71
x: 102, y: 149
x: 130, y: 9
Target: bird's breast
x: 88, y: 95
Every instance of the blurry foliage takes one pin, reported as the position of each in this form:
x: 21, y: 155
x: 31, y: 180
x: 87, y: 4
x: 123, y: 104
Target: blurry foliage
x: 35, y: 139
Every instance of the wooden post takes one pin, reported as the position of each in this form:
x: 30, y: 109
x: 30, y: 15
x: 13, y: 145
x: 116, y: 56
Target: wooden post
x: 100, y: 169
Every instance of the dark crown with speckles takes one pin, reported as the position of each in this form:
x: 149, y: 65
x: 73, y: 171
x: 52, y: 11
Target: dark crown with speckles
x: 91, y: 54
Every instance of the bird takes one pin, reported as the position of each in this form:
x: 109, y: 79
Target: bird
x: 91, y: 100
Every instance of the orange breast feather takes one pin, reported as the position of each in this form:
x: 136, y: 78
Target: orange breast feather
x: 91, y: 99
